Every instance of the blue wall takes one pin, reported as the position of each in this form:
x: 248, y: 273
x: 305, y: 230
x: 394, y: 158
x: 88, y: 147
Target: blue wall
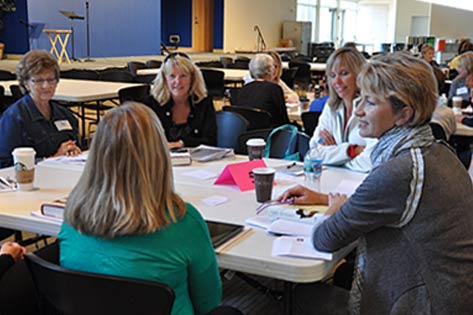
x: 13, y: 34
x: 117, y: 28
x: 177, y: 19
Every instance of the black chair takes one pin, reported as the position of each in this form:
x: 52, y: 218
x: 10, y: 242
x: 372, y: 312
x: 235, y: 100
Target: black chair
x: 135, y: 65
x: 3, y: 103
x: 6, y: 75
x: 258, y: 133
x: 117, y: 75
x: 74, y: 292
x: 229, y: 127
x: 438, y: 131
x: 232, y: 94
x: 153, y: 63
x: 16, y: 92
x: 214, y: 81
x: 226, y: 61
x: 310, y: 120
x: 80, y: 74
x: 303, y: 75
x: 209, y: 64
x: 134, y: 93
x: 239, y: 64
x: 257, y: 118
x: 303, y: 144
x: 281, y: 144
x: 288, y: 76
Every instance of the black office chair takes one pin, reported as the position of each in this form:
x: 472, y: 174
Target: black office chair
x: 438, y: 131
x: 135, y: 65
x: 6, y: 75
x: 214, y: 81
x: 229, y: 127
x: 16, y: 92
x: 239, y: 64
x: 64, y: 291
x: 257, y: 118
x: 281, y: 144
x: 117, y: 75
x: 134, y: 93
x: 258, y: 133
x: 303, y: 144
x: 232, y: 94
x: 153, y: 63
x: 226, y: 61
x: 303, y: 74
x: 80, y: 74
x: 288, y: 76
x: 310, y: 120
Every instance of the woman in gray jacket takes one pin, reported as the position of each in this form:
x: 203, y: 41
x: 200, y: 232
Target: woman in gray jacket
x: 412, y: 214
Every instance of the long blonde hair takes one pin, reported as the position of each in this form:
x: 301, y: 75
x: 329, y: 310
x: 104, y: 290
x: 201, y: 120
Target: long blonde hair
x: 197, y: 90
x: 127, y: 184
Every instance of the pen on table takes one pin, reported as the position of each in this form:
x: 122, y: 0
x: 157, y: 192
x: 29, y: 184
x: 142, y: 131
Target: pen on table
x: 5, y: 182
x: 291, y: 165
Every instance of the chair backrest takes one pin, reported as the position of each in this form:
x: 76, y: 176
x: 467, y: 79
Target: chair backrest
x: 239, y: 64
x: 229, y: 127
x: 233, y: 95
x: 257, y: 118
x: 438, y: 131
x: 6, y: 75
x: 81, y: 74
x: 226, y: 61
x: 135, y: 65
x: 310, y: 120
x: 214, y: 81
x: 303, y: 144
x: 258, y: 133
x: 73, y: 292
x: 288, y: 76
x: 282, y: 143
x: 134, y: 93
x: 153, y: 63
x: 16, y: 92
x: 117, y: 75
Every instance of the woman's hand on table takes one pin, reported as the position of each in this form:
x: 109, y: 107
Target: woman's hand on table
x: 303, y: 196
x: 327, y: 138
x: 15, y: 250
x: 68, y: 148
x: 175, y: 144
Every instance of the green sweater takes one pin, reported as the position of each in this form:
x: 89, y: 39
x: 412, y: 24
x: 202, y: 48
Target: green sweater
x: 179, y: 255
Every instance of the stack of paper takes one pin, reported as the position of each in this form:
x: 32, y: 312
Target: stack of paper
x: 205, y: 153
x: 180, y: 158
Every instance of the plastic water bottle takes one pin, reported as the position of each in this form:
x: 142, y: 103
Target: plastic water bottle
x: 313, y: 166
x: 443, y: 100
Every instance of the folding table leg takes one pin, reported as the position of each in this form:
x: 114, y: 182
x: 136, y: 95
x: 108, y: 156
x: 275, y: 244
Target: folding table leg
x: 288, y: 298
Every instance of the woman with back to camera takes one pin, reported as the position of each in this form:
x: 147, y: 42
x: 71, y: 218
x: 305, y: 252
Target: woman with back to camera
x: 338, y: 127
x: 179, y: 98
x: 35, y: 120
x: 263, y: 93
x: 411, y: 216
x: 124, y: 218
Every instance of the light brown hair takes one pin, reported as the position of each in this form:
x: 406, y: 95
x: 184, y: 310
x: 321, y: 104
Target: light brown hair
x: 33, y: 63
x: 126, y: 187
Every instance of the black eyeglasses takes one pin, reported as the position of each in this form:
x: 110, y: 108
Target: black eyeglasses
x: 174, y: 54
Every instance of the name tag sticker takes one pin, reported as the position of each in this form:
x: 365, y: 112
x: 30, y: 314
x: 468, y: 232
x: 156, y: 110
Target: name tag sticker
x: 462, y: 90
x: 63, y: 125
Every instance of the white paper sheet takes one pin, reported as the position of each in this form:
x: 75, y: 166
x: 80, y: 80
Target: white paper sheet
x: 215, y: 200
x: 201, y: 174
x: 297, y: 247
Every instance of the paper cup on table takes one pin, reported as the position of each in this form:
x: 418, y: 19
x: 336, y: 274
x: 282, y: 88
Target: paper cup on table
x: 255, y: 148
x: 23, y: 161
x: 264, y: 179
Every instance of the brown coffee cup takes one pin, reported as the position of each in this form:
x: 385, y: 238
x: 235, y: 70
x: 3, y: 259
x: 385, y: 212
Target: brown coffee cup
x: 264, y: 181
x: 255, y: 148
x: 23, y: 162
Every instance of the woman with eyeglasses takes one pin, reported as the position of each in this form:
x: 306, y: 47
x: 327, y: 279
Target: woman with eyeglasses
x: 35, y: 120
x: 179, y: 98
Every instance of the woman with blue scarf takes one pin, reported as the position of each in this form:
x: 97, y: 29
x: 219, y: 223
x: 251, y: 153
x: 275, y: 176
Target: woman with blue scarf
x: 411, y: 216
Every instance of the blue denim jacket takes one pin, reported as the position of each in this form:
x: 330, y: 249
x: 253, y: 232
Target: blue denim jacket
x: 22, y: 124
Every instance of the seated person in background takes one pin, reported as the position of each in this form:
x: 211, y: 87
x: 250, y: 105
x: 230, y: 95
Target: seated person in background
x: 124, y: 218
x: 179, y: 97
x: 465, y: 46
x: 35, y: 120
x: 263, y: 93
x: 445, y: 117
x: 427, y: 53
x: 318, y: 104
x: 459, y: 86
x: 338, y: 126
x: 413, y: 256
x: 290, y: 96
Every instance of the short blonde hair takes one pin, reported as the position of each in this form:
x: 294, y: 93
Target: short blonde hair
x: 276, y: 61
x: 160, y: 91
x: 426, y: 48
x: 33, y: 63
x: 261, y: 66
x: 353, y: 60
x: 127, y: 184
x: 465, y: 61
x: 402, y: 80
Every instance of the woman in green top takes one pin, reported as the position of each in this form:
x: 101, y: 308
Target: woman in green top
x: 123, y: 218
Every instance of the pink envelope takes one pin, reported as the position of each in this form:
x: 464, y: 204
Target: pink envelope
x: 240, y: 174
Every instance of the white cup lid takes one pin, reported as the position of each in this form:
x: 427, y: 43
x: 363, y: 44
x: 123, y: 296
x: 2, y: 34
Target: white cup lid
x: 24, y: 151
x: 256, y: 142
x: 457, y: 98
x: 264, y: 170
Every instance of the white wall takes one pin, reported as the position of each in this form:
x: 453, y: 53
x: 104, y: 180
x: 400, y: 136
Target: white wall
x: 240, y: 17
x: 405, y: 10
x: 451, y: 23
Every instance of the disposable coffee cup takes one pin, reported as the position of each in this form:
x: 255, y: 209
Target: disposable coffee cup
x: 255, y: 148
x: 457, y: 101
x: 264, y: 178
x: 23, y: 162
